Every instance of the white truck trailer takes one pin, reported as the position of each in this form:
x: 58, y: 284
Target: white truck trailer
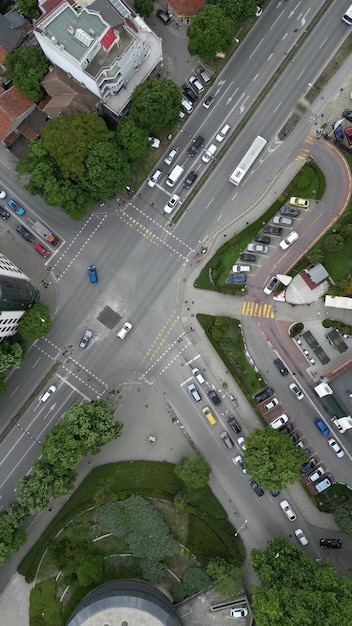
x: 246, y: 163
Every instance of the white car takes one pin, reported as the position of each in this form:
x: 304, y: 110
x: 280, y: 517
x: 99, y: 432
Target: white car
x: 86, y: 338
x: 239, y: 612
x: 222, y: 133
x: 241, y: 442
x: 155, y: 142
x: 48, y: 393
x: 124, y: 330
x: 289, y: 240
x: 209, y: 153
x: 198, y: 376
x: 239, y: 460
x: 336, y: 448
x: 287, y: 509
x: 301, y: 536
x: 257, y: 247
x: 279, y: 422
x: 296, y: 390
x: 172, y: 204
x: 171, y: 156
x: 2, y: 194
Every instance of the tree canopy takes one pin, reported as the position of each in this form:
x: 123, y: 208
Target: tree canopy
x: 210, y: 31
x: 29, y: 8
x: 272, y: 459
x: 194, y: 471
x: 296, y: 590
x: 238, y: 11
x: 343, y: 518
x: 143, y: 7
x: 26, y: 67
x: 132, y: 139
x: 107, y: 169
x: 36, y: 322
x: 156, y: 104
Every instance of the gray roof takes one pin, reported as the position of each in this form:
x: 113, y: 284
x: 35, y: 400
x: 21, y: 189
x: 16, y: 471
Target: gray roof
x: 10, y: 38
x: 15, y: 18
x: 317, y: 273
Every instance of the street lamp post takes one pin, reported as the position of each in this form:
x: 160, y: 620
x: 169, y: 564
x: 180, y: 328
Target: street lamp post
x: 240, y: 528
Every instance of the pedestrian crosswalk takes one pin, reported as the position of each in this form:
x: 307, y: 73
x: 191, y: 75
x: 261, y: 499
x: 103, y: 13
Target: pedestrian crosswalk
x: 257, y: 309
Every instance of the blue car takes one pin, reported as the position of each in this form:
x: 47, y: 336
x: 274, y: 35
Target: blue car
x: 236, y: 279
x: 15, y: 207
x: 338, y: 132
x: 322, y: 427
x: 92, y: 271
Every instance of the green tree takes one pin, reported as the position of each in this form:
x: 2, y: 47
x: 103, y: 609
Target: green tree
x: 346, y: 230
x: 272, y: 459
x: 293, y: 588
x: 217, y: 568
x: 238, y: 11
x: 210, y: 32
x: 315, y: 256
x: 343, y: 518
x: 71, y: 450
x: 92, y: 423
x: 89, y: 569
x: 132, y: 139
x: 156, y: 104
x: 62, y: 553
x: 153, y: 571
x: 32, y: 494
x: 194, y: 471
x: 143, y: 7
x: 107, y: 169
x: 36, y: 322
x: 11, y: 539
x: 228, y: 587
x: 29, y: 8
x: 194, y: 580
x: 26, y: 67
x: 82, y: 129
x: 333, y: 243
x: 11, y: 355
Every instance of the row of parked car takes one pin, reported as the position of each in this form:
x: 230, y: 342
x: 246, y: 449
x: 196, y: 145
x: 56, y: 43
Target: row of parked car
x: 338, y: 130
x: 285, y: 218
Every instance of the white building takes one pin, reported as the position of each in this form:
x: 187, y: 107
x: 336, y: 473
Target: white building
x: 17, y: 295
x: 103, y: 45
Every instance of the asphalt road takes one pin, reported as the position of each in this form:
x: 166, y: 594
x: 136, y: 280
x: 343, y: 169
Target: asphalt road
x: 140, y: 261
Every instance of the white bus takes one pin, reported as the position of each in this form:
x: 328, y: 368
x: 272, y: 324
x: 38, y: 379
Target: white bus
x: 347, y: 18
x: 246, y: 163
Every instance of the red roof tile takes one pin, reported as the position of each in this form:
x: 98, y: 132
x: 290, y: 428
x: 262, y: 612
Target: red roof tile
x: 15, y: 103
x: 108, y: 39
x: 186, y: 8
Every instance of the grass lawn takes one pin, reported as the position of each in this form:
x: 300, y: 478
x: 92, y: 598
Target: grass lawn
x: 333, y: 497
x: 202, y: 526
x: 309, y: 183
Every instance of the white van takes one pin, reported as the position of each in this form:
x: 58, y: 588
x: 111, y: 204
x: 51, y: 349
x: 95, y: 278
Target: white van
x: 186, y: 106
x: 222, y: 133
x: 174, y: 175
x: 324, y: 484
x: 154, y: 179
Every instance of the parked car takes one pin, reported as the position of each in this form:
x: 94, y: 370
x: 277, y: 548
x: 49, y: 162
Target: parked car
x: 203, y: 75
x: 303, y: 204
x: 25, y: 233
x: 126, y: 327
x: 347, y: 114
x: 2, y: 194
x: 194, y: 392
x: 301, y: 536
x: 290, y: 211
x: 279, y: 422
x: 188, y: 182
x: 163, y: 16
x: 262, y: 238
x: 239, y: 460
x: 208, y: 102
x: 348, y: 133
x: 15, y: 207
x: 281, y: 219
x: 208, y: 414
x: 171, y: 156
x: 288, y: 510
x: 233, y: 423
x: 189, y: 93
x: 87, y: 335
x: 42, y: 251
x: 154, y: 178
x: 227, y: 439
x: 286, y: 430
x: 273, y: 230
x: 336, y: 448
x: 47, y: 394
x: 296, y: 391
x: 213, y: 396
x: 271, y: 285
x: 289, y: 240
x: 338, y: 132
x: 250, y: 258
x: 257, y: 247
x: 239, y: 612
x: 308, y: 466
x: 271, y: 404
x: 236, y: 279
x: 241, y: 443
x: 4, y: 214
x: 92, y: 272
x: 198, y: 376
x: 332, y: 544
x: 281, y: 367
x: 154, y: 142
x: 196, y: 84
x: 254, y: 485
x: 172, y: 204
x: 294, y: 437
x: 263, y: 395
x: 322, y: 427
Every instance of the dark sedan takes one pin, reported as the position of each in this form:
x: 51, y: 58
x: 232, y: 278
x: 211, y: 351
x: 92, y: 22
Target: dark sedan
x: 333, y: 544
x: 262, y: 238
x: 273, y: 230
x: 281, y: 367
x: 188, y: 182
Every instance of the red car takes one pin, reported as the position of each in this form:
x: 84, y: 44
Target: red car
x: 43, y: 251
x: 348, y: 133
